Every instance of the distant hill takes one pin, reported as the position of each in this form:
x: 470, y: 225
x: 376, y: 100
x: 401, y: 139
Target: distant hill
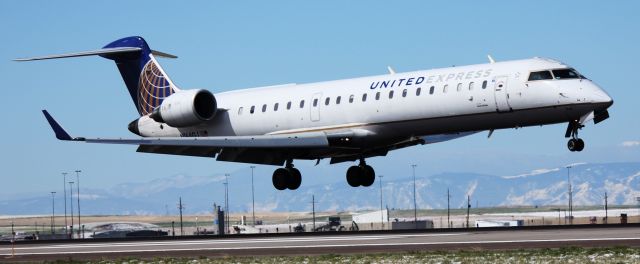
x: 539, y: 187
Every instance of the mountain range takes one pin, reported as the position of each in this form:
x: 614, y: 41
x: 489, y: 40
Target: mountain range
x: 548, y: 186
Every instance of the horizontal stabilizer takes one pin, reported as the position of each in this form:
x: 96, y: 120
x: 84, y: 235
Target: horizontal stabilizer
x: 61, y: 134
x: 105, y: 51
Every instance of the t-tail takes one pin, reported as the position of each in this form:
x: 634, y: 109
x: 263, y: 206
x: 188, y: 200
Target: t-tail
x: 147, y: 82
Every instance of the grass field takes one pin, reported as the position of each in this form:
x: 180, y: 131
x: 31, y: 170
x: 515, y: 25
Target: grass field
x: 562, y: 255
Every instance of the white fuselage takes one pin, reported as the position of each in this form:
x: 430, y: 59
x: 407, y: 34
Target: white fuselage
x: 423, y: 103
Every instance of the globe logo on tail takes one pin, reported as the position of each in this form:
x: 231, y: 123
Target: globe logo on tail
x: 153, y: 88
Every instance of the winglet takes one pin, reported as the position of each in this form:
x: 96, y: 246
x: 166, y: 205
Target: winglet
x: 391, y: 70
x: 60, y: 133
x: 491, y: 60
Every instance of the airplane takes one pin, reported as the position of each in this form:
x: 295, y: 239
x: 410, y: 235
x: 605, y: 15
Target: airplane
x: 344, y: 120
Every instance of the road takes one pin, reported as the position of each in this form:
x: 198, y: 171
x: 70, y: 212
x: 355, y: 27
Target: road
x: 328, y: 244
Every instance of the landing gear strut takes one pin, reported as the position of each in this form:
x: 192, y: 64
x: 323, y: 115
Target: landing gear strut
x: 287, y: 177
x: 361, y: 175
x: 575, y: 143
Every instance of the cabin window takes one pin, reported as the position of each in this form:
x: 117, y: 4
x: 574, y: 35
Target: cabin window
x: 378, y: 96
x: 418, y: 91
x: 484, y: 84
x: 404, y: 93
x: 432, y: 89
x: 351, y: 98
x: 253, y: 109
x: 315, y: 102
x: 470, y: 86
x: 459, y: 88
x: 338, y: 100
x: 240, y: 110
x: 327, y: 100
x: 445, y: 88
x: 302, y: 104
x: 264, y: 108
x: 391, y: 94
x: 364, y: 97
x: 288, y: 105
x: 565, y: 74
x: 275, y: 107
x: 540, y: 75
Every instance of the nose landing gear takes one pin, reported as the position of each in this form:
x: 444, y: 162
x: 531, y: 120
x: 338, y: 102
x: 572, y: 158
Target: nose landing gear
x: 287, y: 177
x: 361, y: 175
x: 575, y: 143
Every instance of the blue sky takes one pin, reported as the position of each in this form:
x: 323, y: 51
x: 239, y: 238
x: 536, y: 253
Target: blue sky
x: 238, y: 44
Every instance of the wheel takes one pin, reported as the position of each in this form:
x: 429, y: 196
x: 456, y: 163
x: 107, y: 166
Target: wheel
x: 279, y: 178
x: 368, y: 176
x: 353, y: 176
x: 295, y: 179
x: 572, y: 144
x: 580, y: 144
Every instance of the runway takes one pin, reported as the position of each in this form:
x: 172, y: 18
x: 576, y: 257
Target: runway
x: 334, y: 243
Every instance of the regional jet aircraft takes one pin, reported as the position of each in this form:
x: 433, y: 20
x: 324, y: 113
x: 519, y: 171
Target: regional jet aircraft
x: 344, y: 120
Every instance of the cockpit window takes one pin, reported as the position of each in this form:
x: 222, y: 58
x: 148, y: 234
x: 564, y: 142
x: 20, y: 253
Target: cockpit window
x: 540, y: 75
x: 565, y: 74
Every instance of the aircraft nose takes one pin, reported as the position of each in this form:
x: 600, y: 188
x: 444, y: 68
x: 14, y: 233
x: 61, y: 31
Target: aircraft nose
x: 599, y: 96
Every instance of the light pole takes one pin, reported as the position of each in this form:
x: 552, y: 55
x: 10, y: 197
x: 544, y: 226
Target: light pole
x: 448, y: 210
x: 71, y: 206
x: 415, y: 205
x: 570, y: 195
x: 253, y: 201
x: 64, y: 186
x: 381, y: 213
x: 53, y: 212
x: 226, y: 201
x: 78, y: 194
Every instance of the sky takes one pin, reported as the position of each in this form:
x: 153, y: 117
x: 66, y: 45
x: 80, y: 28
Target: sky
x: 228, y: 45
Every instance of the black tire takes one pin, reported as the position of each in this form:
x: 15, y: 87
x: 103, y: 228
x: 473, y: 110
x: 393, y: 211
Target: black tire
x: 572, y: 144
x: 354, y: 174
x: 295, y: 179
x: 279, y: 178
x: 580, y: 144
x: 368, y: 176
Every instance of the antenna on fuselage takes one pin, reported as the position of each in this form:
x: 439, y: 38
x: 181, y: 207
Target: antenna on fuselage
x: 491, y: 60
x: 391, y: 70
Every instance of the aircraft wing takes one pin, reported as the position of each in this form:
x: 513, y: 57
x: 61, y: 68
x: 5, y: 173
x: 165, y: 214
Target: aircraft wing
x: 295, y: 140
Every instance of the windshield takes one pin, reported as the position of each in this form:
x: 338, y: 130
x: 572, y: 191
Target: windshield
x: 541, y: 75
x: 565, y: 74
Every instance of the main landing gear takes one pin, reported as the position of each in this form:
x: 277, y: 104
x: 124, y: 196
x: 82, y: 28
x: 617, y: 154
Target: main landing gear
x: 287, y: 177
x: 361, y: 175
x: 575, y: 143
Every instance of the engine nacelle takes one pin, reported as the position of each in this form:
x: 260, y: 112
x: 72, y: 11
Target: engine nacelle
x: 186, y: 108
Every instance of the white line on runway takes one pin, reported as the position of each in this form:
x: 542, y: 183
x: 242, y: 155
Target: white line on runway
x: 329, y: 246
x: 231, y: 241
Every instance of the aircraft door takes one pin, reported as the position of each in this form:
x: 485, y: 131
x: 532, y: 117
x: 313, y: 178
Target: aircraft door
x: 501, y: 95
x: 315, y: 107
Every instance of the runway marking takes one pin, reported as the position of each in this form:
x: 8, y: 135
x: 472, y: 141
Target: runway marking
x: 234, y: 241
x: 327, y: 246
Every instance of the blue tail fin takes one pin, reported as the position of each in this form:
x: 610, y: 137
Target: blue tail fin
x: 146, y: 81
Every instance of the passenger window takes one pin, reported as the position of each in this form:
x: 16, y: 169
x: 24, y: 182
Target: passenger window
x: 275, y: 107
x: 264, y: 108
x: 253, y: 109
x: 484, y: 84
x: 338, y: 100
x: 432, y: 89
x: 378, y: 96
x: 459, y: 88
x: 404, y: 93
x: 418, y: 91
x: 315, y: 102
x: 240, y: 110
x: 445, y: 88
x: 302, y: 104
x: 326, y: 101
x: 351, y: 98
x: 364, y: 97
x: 470, y: 86
x: 391, y: 94
x: 288, y: 105
x: 540, y: 75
